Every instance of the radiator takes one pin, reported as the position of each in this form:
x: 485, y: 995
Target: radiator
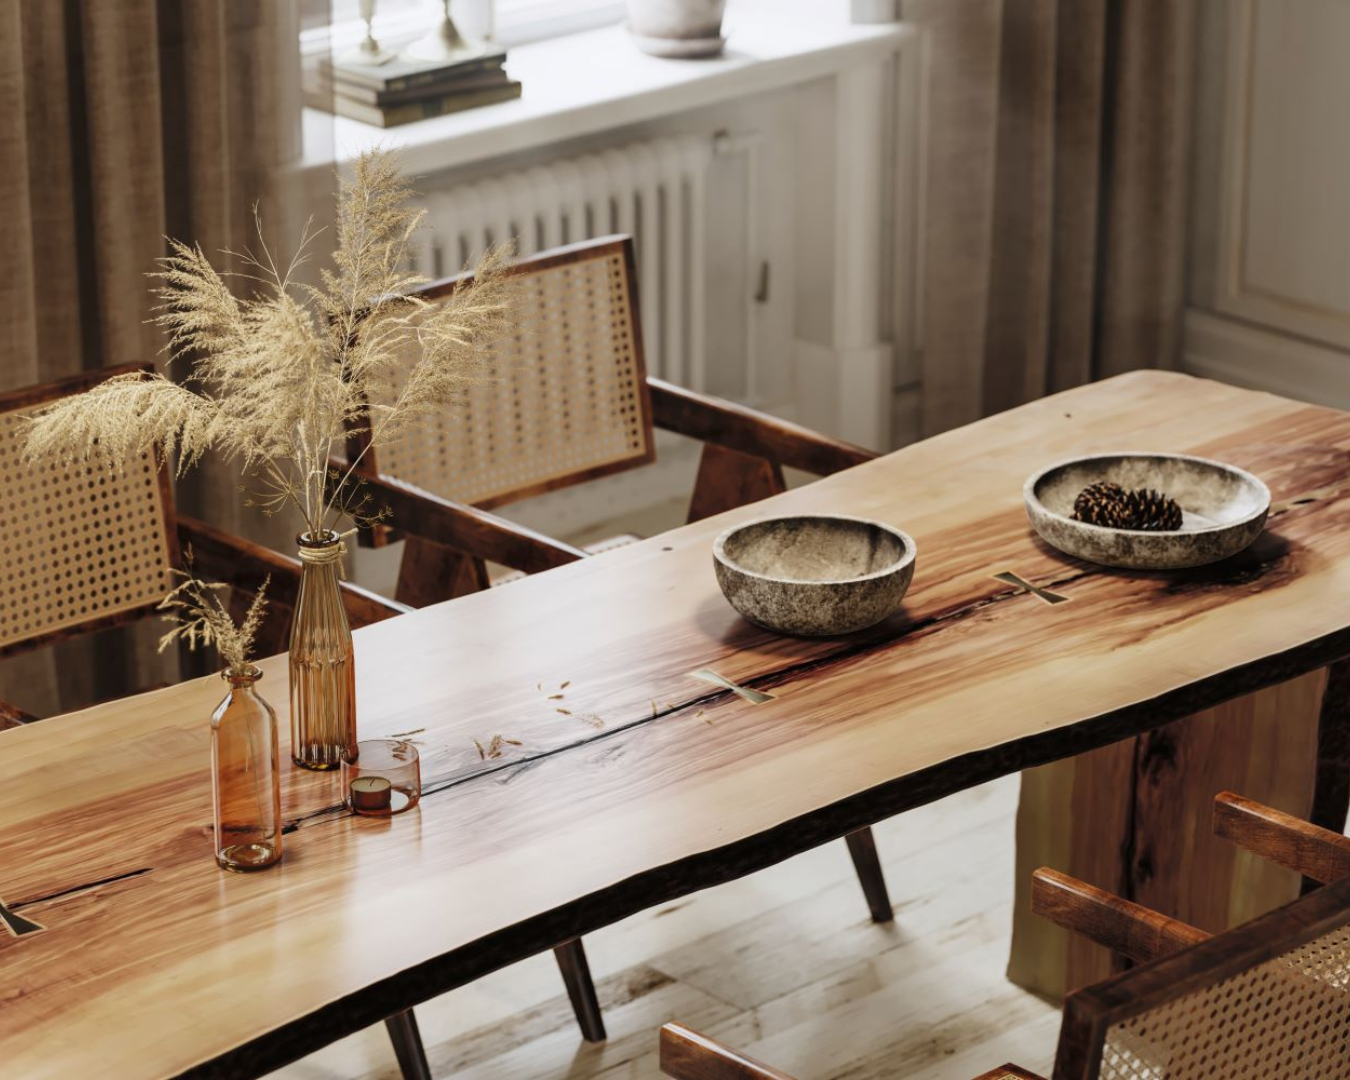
x: 652, y: 190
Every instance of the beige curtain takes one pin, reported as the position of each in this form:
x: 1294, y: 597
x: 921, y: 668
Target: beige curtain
x: 125, y: 122
x: 1059, y: 135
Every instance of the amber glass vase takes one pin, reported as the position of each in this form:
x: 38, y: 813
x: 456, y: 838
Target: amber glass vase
x: 245, y: 782
x: 323, y: 674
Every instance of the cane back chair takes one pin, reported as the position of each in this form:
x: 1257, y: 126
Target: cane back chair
x: 90, y: 549
x: 1268, y: 1000
x: 571, y: 402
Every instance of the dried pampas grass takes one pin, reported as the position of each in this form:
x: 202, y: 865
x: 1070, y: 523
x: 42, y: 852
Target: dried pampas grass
x: 279, y: 378
x: 201, y: 619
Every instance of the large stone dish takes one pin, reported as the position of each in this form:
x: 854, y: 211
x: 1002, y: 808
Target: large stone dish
x: 814, y: 575
x: 1223, y: 510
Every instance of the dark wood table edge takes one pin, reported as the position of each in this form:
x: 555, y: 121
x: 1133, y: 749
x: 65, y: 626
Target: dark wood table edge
x: 372, y: 1004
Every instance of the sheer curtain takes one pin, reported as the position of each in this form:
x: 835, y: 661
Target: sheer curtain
x: 1059, y: 140
x: 123, y: 123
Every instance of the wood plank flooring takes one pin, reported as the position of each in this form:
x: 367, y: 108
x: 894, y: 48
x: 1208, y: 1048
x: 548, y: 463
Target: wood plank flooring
x: 784, y: 964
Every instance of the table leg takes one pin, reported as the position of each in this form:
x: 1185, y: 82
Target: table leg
x: 1135, y: 818
x: 576, y: 973
x: 407, y: 1040
x: 862, y: 846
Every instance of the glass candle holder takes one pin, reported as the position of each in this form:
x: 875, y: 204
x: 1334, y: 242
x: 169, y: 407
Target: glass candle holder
x: 383, y: 777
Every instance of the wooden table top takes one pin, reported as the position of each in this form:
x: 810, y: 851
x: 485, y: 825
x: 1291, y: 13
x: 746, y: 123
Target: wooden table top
x: 653, y: 784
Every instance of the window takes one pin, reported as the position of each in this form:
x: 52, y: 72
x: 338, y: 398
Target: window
x: 398, y: 22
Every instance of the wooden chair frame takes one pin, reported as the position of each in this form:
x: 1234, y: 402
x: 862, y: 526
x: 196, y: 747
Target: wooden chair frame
x: 1091, y: 1012
x: 1185, y: 953
x: 1320, y: 855
x: 686, y: 1054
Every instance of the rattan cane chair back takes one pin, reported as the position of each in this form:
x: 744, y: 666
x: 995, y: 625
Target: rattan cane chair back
x: 1268, y: 999
x: 83, y: 548
x: 568, y: 399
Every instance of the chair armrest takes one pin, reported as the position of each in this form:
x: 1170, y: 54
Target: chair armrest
x: 13, y: 716
x: 687, y: 1055
x: 1138, y: 932
x: 221, y: 556
x: 724, y: 423
x: 467, y: 529
x: 1291, y: 842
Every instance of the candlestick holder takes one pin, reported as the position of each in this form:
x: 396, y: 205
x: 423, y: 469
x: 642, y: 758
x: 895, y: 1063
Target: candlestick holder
x: 369, y: 51
x: 445, y: 44
x: 382, y: 778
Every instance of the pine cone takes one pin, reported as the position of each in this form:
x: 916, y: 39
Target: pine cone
x: 1142, y: 510
x: 1152, y: 511
x: 1103, y: 503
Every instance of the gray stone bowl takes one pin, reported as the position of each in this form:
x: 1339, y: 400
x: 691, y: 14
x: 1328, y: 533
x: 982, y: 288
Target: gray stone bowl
x: 814, y: 575
x: 1223, y: 510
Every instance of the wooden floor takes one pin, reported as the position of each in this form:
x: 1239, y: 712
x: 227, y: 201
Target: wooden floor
x: 784, y: 964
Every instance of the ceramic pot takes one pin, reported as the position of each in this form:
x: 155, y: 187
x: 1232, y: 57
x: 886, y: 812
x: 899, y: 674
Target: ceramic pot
x: 679, y: 28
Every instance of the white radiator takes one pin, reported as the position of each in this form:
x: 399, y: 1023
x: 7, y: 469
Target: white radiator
x: 653, y: 190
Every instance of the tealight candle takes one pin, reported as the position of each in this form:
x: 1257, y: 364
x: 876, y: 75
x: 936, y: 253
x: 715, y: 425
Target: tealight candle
x: 372, y: 795
x: 382, y: 777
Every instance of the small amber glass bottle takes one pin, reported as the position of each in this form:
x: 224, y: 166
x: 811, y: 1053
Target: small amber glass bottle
x: 246, y: 782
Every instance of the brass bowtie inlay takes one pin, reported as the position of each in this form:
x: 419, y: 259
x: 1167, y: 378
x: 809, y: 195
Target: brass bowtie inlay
x: 1009, y: 578
x: 755, y: 697
x: 16, y: 925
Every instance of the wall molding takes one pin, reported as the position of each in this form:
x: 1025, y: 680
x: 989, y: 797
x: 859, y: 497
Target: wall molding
x: 1236, y: 352
x: 1237, y: 292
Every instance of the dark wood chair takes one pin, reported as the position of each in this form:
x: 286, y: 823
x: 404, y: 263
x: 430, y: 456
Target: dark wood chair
x: 1270, y: 998
x: 87, y: 550
x: 573, y: 403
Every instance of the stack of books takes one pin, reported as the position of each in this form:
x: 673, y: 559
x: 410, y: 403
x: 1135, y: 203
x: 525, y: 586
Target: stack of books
x: 403, y: 91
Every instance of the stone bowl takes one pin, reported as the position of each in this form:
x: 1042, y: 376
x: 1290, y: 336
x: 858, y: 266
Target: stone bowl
x: 814, y: 575
x: 1223, y: 509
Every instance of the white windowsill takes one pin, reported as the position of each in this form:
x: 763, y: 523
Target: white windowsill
x: 593, y: 81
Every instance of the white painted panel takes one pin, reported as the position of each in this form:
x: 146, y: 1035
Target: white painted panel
x: 1283, y: 257
x: 1297, y: 217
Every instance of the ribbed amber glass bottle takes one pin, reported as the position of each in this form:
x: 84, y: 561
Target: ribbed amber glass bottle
x: 323, y: 675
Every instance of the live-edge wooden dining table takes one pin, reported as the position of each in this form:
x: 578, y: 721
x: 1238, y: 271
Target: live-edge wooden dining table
x: 652, y: 783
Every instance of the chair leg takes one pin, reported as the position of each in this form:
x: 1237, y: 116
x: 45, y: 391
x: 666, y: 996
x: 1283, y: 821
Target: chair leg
x: 576, y: 975
x: 1331, y: 794
x: 863, y: 847
x: 407, y: 1040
